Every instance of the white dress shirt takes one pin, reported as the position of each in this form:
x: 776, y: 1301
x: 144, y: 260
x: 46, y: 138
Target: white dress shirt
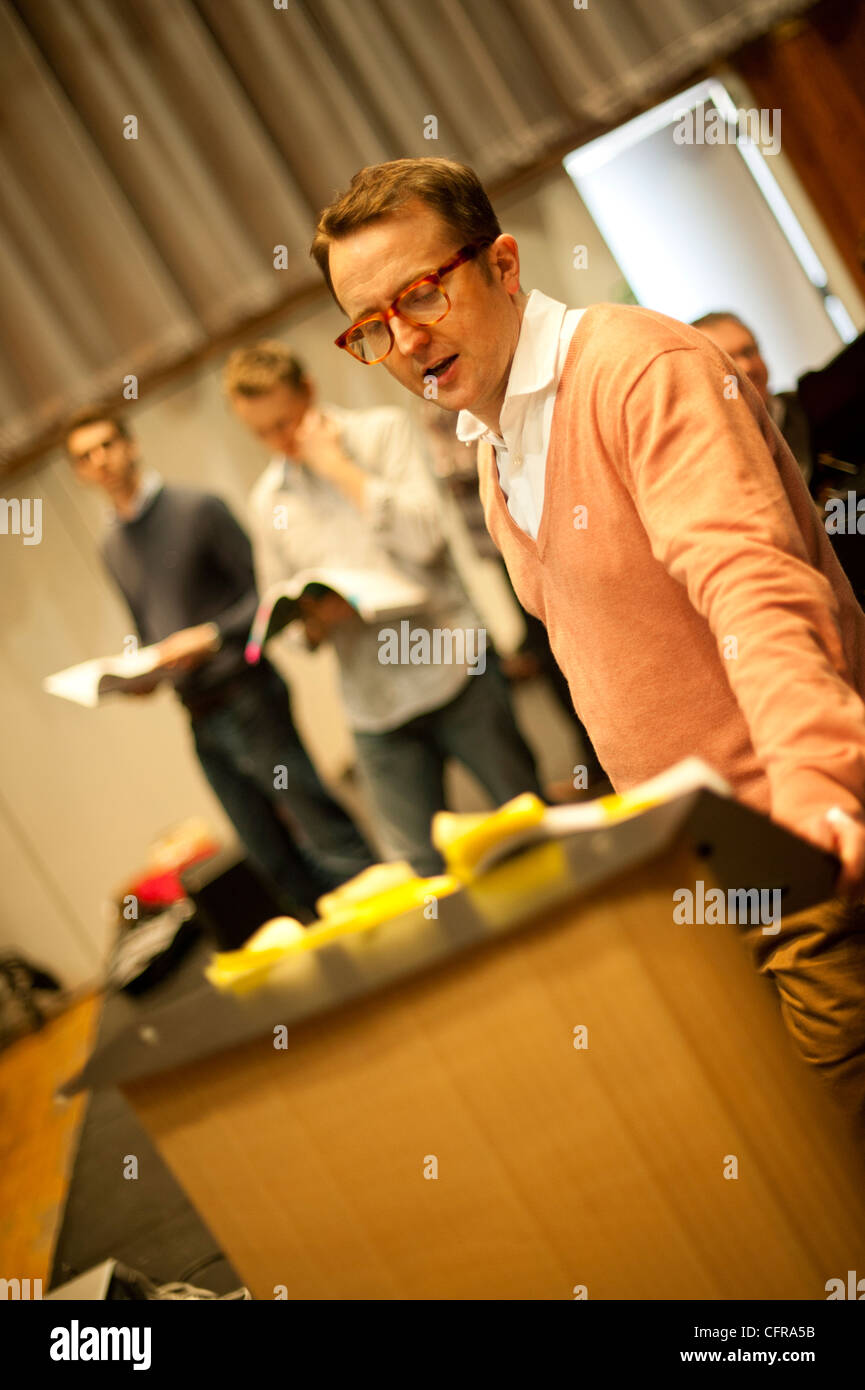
x: 527, y: 414
x: 402, y: 527
x: 149, y: 485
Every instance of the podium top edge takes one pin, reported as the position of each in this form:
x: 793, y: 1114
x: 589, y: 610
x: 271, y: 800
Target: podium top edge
x: 740, y: 848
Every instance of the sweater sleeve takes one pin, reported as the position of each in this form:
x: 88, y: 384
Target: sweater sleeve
x: 718, y: 517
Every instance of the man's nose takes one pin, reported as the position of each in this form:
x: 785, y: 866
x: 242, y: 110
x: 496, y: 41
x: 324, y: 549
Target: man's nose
x: 408, y: 337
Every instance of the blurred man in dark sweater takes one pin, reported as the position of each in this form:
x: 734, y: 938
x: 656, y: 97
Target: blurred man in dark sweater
x: 184, y: 566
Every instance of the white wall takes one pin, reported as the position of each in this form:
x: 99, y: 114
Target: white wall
x: 84, y: 792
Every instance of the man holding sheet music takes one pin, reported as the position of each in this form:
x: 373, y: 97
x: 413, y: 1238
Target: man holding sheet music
x: 353, y: 489
x: 184, y: 566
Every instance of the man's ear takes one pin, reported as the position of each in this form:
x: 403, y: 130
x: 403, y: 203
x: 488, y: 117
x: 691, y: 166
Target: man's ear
x: 504, y: 262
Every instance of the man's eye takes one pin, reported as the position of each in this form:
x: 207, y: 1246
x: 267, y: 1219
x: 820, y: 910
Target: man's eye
x: 421, y: 296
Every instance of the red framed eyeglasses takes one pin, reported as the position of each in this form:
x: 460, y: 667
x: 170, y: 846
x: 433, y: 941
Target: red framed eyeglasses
x: 423, y: 302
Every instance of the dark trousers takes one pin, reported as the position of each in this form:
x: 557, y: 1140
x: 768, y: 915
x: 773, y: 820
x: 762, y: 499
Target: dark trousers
x: 817, y: 964
x: 404, y: 767
x: 297, y: 835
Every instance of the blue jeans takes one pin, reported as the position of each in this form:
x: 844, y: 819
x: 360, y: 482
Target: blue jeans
x: 297, y: 835
x: 404, y: 767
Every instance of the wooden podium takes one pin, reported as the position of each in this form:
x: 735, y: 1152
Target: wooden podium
x: 541, y: 1094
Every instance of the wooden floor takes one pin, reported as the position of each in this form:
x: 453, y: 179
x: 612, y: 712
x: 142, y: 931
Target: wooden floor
x: 38, y: 1138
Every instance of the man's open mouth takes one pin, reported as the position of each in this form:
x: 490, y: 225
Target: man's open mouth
x: 439, y: 368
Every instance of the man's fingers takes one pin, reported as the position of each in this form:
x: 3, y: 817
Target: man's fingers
x: 849, y: 836
x: 843, y: 835
x: 852, y: 856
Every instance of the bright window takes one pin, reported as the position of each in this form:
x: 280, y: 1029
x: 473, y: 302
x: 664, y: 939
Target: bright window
x: 687, y: 201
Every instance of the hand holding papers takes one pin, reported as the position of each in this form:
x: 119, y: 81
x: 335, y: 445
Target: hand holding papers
x: 376, y: 595
x: 130, y: 673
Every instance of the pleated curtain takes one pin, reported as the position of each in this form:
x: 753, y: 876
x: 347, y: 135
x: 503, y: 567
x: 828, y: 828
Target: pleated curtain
x: 154, y: 153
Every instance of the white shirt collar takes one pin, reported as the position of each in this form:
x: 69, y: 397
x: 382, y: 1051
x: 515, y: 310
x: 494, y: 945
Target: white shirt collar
x: 149, y: 484
x: 533, y: 368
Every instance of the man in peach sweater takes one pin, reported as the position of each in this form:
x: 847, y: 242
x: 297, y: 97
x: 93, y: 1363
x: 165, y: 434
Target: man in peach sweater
x: 650, y: 513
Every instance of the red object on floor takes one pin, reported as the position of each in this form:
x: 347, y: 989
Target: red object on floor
x: 160, y: 890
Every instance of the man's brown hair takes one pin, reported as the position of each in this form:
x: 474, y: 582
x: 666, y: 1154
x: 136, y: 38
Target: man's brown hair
x: 257, y: 370
x: 95, y: 414
x: 452, y: 190
x: 719, y: 316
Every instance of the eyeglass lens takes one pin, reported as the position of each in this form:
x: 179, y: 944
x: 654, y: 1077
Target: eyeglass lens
x: 422, y: 304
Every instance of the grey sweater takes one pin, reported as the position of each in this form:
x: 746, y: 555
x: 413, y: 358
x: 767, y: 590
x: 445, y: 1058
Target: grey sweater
x: 183, y: 561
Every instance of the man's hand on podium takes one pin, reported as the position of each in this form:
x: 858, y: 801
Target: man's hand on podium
x: 843, y: 835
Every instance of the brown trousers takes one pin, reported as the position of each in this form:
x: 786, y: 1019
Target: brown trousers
x: 817, y: 963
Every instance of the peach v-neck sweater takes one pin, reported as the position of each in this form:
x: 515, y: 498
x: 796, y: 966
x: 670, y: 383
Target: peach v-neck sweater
x: 700, y: 608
